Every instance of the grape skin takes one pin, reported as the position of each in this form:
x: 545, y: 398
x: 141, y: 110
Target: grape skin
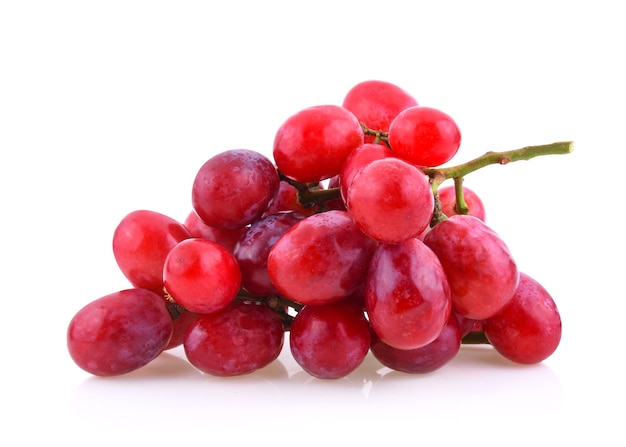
x: 475, y: 206
x: 312, y: 144
x: 201, y: 275
x: 199, y: 229
x: 479, y: 266
x: 424, y: 136
x: 329, y: 341
x: 403, y: 198
x: 141, y: 242
x: 407, y: 294
x: 425, y: 359
x: 321, y: 259
x: 120, y: 332
x: 239, y: 339
x: 528, y: 329
x: 358, y: 158
x: 234, y: 188
x: 376, y: 103
x: 252, y: 250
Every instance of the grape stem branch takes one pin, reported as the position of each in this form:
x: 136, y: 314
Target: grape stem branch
x: 310, y: 194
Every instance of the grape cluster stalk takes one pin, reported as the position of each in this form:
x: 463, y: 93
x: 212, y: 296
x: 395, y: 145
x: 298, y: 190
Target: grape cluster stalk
x: 348, y: 239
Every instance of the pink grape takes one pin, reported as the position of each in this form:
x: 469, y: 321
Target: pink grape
x: 286, y: 199
x: 425, y: 359
x: 321, y: 259
x: 528, y: 329
x: 358, y: 158
x: 407, y: 294
x: 120, y: 332
x: 329, y: 341
x: 376, y: 103
x: 199, y: 229
x: 480, y: 268
x: 253, y: 248
x: 312, y: 144
x: 141, y: 241
x: 424, y: 136
x: 475, y: 206
x: 201, y: 275
x: 236, y: 340
x: 403, y: 198
x: 234, y: 188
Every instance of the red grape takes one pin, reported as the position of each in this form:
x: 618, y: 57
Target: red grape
x: 358, y: 158
x: 239, y: 339
x: 403, y: 198
x: 286, y: 199
x: 312, y: 144
x: 480, y: 268
x: 321, y: 259
x: 329, y: 341
x: 253, y: 249
x: 181, y: 325
x: 424, y: 136
x: 528, y: 329
x: 234, y: 188
x: 425, y: 359
x: 447, y: 197
x: 198, y: 228
x: 407, y: 294
x: 376, y: 103
x: 201, y: 275
x: 120, y: 332
x: 141, y: 241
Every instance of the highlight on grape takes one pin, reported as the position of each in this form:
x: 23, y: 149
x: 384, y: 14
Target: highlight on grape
x: 349, y: 239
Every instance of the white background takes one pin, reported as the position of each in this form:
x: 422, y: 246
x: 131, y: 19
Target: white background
x: 108, y: 107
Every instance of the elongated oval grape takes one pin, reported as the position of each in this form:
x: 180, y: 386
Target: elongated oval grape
x: 141, y: 242
x: 407, y: 294
x: 528, y: 329
x: 239, y: 339
x: 480, y: 268
x: 120, y: 332
x: 321, y: 259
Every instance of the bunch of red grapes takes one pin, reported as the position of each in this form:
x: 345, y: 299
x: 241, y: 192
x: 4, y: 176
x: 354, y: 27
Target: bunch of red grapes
x: 343, y: 240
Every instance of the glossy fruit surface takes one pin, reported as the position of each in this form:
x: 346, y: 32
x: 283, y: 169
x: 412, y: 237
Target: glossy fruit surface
x: 475, y: 206
x: 424, y: 136
x: 234, y: 188
x: 528, y: 329
x: 403, y: 198
x: 479, y: 266
x: 321, y: 259
x: 120, y: 332
x: 376, y: 103
x: 239, y: 339
x: 425, y: 359
x: 252, y: 250
x: 141, y: 242
x: 329, y: 341
x: 201, y: 275
x: 312, y: 144
x: 407, y: 294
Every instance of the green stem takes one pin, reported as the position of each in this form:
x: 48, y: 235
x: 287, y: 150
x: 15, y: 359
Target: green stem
x: 438, y: 175
x: 460, y: 206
